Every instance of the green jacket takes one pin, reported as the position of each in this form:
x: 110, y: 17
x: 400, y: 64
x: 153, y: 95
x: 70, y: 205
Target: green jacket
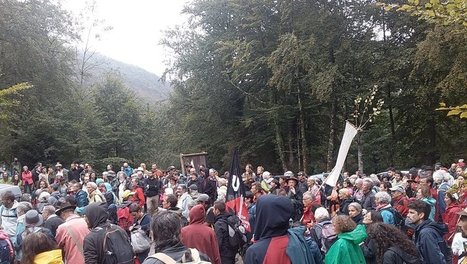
x: 347, y: 249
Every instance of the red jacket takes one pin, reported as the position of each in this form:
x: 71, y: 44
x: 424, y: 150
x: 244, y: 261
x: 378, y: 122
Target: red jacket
x: 308, y: 216
x: 450, y: 218
x: 198, y: 235
x: 26, y: 176
x: 401, y: 204
x: 138, y: 197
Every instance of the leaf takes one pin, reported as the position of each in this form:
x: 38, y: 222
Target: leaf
x: 454, y: 112
x: 442, y: 104
x: 463, y: 115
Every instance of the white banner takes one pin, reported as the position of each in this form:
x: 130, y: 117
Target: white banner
x: 349, y: 134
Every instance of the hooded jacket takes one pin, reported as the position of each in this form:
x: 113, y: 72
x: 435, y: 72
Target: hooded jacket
x: 429, y: 239
x: 198, y: 235
x: 272, y: 222
x: 93, y: 246
x: 432, y: 202
x: 49, y: 257
x: 346, y: 249
x: 395, y: 255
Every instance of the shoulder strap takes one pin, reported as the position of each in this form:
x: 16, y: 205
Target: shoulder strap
x: 164, y: 258
x: 78, y: 242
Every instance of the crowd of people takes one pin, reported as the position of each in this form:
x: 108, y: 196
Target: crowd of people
x: 148, y: 215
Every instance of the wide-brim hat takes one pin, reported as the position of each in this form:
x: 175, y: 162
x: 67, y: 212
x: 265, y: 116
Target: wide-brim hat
x: 397, y: 188
x: 62, y: 205
x: 293, y: 178
x: 33, y: 218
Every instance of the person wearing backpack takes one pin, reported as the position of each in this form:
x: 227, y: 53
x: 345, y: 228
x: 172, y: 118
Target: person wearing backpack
x: 142, y: 225
x: 394, y: 247
x: 167, y: 243
x: 323, y: 230
x: 198, y: 235
x: 106, y: 243
x: 428, y: 234
x: 228, y: 251
x: 8, y: 214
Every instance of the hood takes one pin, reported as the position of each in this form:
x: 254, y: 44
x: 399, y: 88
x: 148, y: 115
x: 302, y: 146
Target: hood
x: 441, y: 228
x: 406, y: 257
x: 197, y: 214
x: 431, y: 201
x: 272, y: 216
x: 355, y: 236
x: 108, y: 187
x: 96, y: 215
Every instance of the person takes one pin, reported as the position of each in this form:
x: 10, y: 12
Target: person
x: 368, y: 198
x: 184, y: 199
x: 95, y: 196
x: 393, y: 245
x: 356, y: 212
x: 94, y: 249
x: 428, y: 234
x: 272, y: 222
x: 424, y: 194
x: 369, y: 246
x: 345, y: 198
x: 209, y: 186
x: 308, y: 218
x: 138, y: 194
x: 322, y: 220
x: 40, y: 248
x: 227, y: 251
x: 166, y: 228
x: 460, y: 239
x: 383, y: 205
x: 51, y: 220
x: 9, y: 215
x: 81, y: 196
x: 451, y: 216
x: 26, y: 177
x: 198, y: 235
x: 400, y: 200
x: 152, y: 190
x: 346, y: 249
x: 142, y: 222
x: 70, y: 235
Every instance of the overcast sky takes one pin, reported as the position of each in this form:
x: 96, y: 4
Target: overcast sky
x: 137, y: 29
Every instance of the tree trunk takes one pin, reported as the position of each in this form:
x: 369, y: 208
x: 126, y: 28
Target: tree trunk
x: 279, y: 143
x: 393, y: 130
x: 290, y: 147
x: 360, y: 152
x: 332, y: 132
x: 302, y: 134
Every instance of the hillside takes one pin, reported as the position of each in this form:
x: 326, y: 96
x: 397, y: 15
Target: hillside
x: 145, y: 84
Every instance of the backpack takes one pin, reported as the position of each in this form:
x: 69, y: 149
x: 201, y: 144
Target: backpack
x: 237, y: 237
x: 117, y: 247
x: 168, y: 260
x: 328, y: 236
x: 7, y: 254
x: 399, y: 220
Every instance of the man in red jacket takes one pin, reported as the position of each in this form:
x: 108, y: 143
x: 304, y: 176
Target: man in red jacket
x: 400, y: 200
x: 26, y: 177
x: 198, y: 235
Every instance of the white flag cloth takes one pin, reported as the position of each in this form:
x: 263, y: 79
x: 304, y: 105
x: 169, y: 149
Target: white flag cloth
x: 349, y: 134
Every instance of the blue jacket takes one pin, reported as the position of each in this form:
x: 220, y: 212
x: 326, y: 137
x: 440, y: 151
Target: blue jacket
x: 301, y: 251
x: 429, y: 240
x: 81, y: 198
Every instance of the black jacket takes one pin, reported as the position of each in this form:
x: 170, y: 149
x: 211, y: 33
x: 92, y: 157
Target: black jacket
x: 152, y: 187
x: 395, y: 255
x: 52, y: 223
x: 209, y: 187
x: 222, y: 233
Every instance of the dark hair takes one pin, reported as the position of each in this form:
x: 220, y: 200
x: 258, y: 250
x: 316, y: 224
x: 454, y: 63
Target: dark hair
x: 34, y: 244
x: 426, y: 192
x: 134, y: 207
x: 172, y: 200
x: 220, y: 205
x: 8, y: 195
x: 429, y: 180
x: 248, y: 195
x: 387, y: 236
x: 386, y: 185
x: 375, y: 216
x: 166, y: 226
x: 420, y: 207
x: 451, y: 197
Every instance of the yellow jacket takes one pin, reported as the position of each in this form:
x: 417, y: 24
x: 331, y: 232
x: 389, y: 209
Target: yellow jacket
x: 49, y: 257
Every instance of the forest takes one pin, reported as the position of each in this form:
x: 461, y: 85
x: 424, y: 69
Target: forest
x: 275, y: 79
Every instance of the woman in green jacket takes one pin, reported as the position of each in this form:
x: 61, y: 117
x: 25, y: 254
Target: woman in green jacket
x: 347, y: 247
